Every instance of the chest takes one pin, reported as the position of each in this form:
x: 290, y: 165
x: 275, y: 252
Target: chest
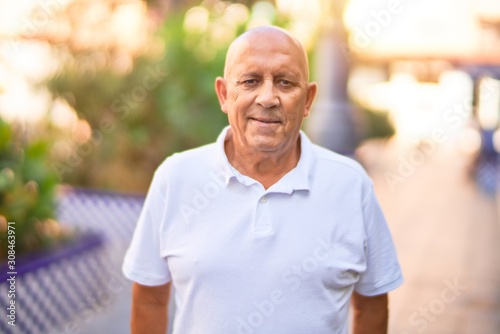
x: 279, y: 238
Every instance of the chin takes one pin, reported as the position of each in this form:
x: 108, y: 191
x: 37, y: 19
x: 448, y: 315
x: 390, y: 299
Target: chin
x: 265, y: 147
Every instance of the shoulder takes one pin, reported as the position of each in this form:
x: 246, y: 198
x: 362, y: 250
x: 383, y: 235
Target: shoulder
x: 333, y: 163
x: 186, y: 163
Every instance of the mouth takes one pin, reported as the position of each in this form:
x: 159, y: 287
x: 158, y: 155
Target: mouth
x: 265, y: 120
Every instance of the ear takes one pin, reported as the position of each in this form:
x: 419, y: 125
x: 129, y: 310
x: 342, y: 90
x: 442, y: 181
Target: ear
x: 221, y: 90
x: 310, y: 95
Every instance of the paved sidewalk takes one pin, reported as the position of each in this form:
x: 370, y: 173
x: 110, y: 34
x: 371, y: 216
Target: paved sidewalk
x: 447, y: 234
x: 114, y: 319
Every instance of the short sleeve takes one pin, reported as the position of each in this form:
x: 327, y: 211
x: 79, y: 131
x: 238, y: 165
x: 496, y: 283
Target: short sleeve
x: 383, y: 272
x: 143, y: 262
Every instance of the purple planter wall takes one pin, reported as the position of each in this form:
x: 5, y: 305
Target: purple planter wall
x: 54, y: 287
x: 64, y: 290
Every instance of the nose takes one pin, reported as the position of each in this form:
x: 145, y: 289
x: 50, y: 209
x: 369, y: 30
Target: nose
x: 267, y: 95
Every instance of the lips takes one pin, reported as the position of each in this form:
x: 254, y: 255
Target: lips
x: 265, y: 120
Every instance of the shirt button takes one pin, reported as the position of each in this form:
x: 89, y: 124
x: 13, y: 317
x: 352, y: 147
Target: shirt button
x: 263, y: 199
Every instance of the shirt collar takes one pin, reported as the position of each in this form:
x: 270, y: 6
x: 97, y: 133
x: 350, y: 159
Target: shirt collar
x: 224, y: 166
x: 299, y: 178
x: 304, y: 171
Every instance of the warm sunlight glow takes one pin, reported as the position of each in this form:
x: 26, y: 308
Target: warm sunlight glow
x: 306, y: 18
x: 62, y: 115
x: 236, y: 13
x: 469, y: 141
x: 128, y: 25
x: 489, y: 103
x: 496, y: 140
x: 263, y: 13
x: 489, y: 9
x: 29, y: 28
x: 425, y: 27
x: 196, y: 20
x: 14, y: 106
x: 82, y: 131
x: 20, y: 98
x: 417, y: 108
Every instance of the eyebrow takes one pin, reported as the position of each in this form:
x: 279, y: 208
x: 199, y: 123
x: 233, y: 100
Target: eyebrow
x: 288, y: 74
x: 284, y: 74
x: 250, y: 74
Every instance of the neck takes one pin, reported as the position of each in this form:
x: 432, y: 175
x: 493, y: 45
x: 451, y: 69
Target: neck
x: 264, y: 167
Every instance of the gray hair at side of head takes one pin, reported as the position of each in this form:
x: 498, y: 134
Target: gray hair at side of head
x: 260, y: 30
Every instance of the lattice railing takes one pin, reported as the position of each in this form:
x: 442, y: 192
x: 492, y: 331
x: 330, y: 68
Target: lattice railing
x: 60, y: 291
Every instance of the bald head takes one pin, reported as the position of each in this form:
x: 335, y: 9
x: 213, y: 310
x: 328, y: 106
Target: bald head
x: 262, y: 38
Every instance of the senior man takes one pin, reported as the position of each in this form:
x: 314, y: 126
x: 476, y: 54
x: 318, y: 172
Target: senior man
x: 262, y: 231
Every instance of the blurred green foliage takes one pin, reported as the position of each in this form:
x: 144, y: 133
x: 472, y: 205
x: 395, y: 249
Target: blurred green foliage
x: 160, y: 107
x: 27, y: 191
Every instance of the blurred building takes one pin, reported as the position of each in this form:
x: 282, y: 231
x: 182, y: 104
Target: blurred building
x: 419, y: 62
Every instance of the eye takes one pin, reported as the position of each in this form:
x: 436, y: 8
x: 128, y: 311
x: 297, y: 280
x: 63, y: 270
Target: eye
x: 248, y: 83
x: 284, y: 82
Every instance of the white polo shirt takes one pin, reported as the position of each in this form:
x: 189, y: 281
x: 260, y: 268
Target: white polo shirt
x: 244, y: 259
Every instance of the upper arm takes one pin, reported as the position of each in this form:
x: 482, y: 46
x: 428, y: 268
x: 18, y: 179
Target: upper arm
x: 370, y: 303
x: 383, y: 272
x: 143, y: 261
x: 371, y: 314
x: 156, y: 295
x: 149, y: 309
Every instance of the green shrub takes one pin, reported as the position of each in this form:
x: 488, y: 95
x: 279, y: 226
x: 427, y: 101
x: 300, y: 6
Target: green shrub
x: 27, y: 191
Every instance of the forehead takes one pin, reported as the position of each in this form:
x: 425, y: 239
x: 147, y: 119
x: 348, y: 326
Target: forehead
x: 267, y: 53
x: 266, y: 63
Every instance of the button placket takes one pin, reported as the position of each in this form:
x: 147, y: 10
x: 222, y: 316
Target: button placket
x: 262, y: 223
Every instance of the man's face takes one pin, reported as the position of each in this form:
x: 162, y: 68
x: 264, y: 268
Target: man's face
x: 266, y: 93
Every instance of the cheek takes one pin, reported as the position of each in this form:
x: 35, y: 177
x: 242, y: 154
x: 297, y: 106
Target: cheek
x: 296, y: 108
x: 241, y: 104
x: 295, y: 113
x: 236, y: 95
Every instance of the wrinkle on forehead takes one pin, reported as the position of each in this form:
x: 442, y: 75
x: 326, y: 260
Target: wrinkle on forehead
x: 267, y: 33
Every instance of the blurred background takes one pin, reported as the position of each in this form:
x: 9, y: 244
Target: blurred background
x: 94, y: 94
